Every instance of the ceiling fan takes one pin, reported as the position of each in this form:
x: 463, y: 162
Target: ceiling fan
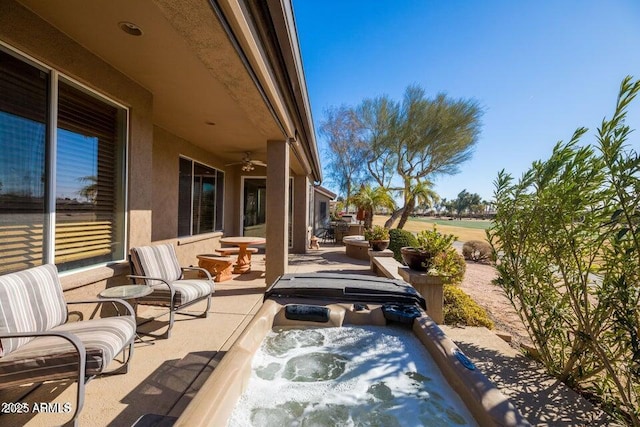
x: 247, y: 163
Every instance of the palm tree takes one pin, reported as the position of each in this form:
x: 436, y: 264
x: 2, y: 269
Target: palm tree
x: 89, y: 191
x: 421, y: 193
x: 369, y: 199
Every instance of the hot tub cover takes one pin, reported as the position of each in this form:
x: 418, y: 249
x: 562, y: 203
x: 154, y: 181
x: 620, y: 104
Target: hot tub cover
x: 345, y: 287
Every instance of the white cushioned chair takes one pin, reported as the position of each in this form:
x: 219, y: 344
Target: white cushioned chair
x: 157, y: 266
x: 37, y: 344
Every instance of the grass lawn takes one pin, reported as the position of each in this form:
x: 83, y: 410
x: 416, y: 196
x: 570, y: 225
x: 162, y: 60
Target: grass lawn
x: 480, y: 224
x: 464, y: 230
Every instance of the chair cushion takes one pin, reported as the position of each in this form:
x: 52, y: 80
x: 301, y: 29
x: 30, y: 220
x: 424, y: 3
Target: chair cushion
x: 48, y: 358
x: 187, y: 290
x: 30, y: 301
x: 156, y: 261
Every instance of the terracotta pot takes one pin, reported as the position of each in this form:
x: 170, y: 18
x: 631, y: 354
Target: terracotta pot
x: 379, y: 245
x: 415, y: 259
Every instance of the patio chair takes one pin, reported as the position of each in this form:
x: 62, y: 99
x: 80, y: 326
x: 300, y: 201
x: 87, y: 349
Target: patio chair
x: 157, y: 266
x: 327, y: 234
x: 37, y: 344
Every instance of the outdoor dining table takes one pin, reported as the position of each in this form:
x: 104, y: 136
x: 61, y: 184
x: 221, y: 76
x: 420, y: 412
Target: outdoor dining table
x: 243, y: 263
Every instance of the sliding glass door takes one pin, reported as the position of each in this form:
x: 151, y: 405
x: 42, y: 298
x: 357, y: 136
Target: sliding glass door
x: 255, y: 207
x: 254, y: 212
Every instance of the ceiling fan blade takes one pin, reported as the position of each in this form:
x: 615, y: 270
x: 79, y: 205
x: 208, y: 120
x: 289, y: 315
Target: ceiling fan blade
x: 259, y: 163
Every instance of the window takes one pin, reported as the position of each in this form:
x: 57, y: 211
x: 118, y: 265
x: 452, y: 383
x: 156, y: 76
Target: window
x: 323, y: 210
x: 200, y: 198
x: 62, y: 193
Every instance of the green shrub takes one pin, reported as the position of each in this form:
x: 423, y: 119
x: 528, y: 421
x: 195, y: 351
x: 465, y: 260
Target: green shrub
x: 477, y: 251
x: 568, y: 235
x: 399, y: 238
x: 449, y: 263
x: 433, y: 242
x: 377, y: 232
x: 460, y: 309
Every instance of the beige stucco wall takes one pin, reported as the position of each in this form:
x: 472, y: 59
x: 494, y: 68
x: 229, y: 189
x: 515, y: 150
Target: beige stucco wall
x: 153, y: 153
x: 30, y: 35
x: 167, y: 149
x: 300, y: 214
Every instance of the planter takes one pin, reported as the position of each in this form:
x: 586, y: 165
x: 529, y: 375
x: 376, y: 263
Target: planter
x: 415, y: 259
x: 379, y: 245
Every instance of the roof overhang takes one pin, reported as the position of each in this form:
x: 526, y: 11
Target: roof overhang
x: 225, y: 75
x: 324, y: 191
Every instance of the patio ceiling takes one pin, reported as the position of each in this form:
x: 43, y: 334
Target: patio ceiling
x: 201, y: 88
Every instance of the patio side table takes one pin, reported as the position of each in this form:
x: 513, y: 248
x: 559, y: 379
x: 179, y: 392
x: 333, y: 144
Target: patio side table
x: 127, y: 292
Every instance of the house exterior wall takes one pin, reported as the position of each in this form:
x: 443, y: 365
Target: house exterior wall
x: 319, y: 220
x: 167, y: 149
x: 30, y: 35
x: 277, y: 212
x: 300, y: 214
x: 152, y: 152
x: 152, y: 157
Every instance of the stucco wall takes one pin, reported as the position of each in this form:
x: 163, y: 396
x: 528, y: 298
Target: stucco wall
x: 153, y: 153
x: 167, y: 149
x: 30, y: 35
x: 300, y: 214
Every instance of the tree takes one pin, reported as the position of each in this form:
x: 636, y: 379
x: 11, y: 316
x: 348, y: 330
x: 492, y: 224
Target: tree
x: 370, y: 198
x: 416, y: 140
x: 466, y: 200
x: 89, y: 191
x: 347, y: 151
x: 421, y: 193
x: 441, y: 205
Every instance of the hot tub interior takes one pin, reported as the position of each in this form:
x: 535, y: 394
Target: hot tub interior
x: 389, y: 313
x: 350, y: 375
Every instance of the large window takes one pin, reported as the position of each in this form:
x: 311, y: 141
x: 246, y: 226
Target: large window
x: 200, y: 198
x: 61, y: 192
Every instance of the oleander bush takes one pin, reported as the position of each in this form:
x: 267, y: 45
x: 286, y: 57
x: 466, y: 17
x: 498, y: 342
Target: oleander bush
x: 477, y: 251
x: 399, y: 238
x: 568, y: 238
x: 460, y: 309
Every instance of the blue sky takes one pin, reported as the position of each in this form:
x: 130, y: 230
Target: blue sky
x: 540, y: 69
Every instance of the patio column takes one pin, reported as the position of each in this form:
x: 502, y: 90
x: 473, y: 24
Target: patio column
x: 300, y: 214
x: 277, y: 250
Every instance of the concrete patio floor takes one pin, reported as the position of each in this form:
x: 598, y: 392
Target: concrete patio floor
x: 165, y: 374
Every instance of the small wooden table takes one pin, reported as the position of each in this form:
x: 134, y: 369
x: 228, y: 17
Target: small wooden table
x: 243, y: 263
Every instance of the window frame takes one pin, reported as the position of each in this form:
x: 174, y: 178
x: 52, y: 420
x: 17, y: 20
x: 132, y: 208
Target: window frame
x: 51, y: 146
x: 218, y: 171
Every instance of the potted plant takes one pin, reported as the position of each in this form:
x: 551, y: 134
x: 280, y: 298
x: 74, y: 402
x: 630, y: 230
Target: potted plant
x: 378, y: 237
x: 431, y: 244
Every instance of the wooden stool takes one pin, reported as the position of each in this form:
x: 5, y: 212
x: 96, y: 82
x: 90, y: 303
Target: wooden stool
x: 219, y: 266
x: 314, y: 243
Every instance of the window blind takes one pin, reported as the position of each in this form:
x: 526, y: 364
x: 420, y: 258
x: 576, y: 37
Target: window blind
x: 23, y: 130
x: 87, y: 175
x: 89, y: 182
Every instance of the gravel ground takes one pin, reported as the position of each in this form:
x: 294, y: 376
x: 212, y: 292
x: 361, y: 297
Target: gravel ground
x: 477, y: 283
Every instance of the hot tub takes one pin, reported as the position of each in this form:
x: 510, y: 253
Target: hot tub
x: 336, y: 300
